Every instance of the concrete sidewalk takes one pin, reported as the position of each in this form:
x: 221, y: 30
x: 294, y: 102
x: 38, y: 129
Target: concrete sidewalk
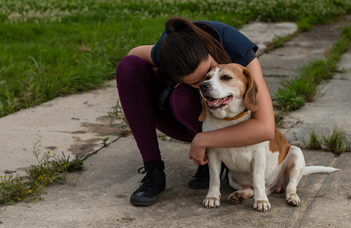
x: 99, y: 196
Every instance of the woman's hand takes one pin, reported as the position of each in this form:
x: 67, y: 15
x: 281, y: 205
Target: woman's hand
x: 198, y: 152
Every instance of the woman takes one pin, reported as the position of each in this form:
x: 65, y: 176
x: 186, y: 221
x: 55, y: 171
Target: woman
x: 176, y: 66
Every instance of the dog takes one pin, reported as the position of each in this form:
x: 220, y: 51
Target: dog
x: 229, y: 95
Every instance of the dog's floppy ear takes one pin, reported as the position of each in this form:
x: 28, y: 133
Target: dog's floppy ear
x: 203, y: 114
x: 251, y: 93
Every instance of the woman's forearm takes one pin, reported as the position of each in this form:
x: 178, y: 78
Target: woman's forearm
x: 244, y: 134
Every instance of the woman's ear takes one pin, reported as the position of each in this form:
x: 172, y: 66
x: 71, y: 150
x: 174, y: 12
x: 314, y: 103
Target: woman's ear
x: 203, y: 114
x: 251, y: 95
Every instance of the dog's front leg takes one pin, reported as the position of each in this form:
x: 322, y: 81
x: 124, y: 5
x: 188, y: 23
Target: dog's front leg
x: 212, y: 199
x: 261, y: 202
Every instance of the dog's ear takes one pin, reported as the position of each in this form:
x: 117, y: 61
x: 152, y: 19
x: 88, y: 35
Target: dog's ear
x: 203, y: 114
x: 251, y: 95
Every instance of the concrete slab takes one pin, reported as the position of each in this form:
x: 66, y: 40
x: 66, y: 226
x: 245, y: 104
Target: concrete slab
x: 262, y: 33
x: 301, y: 50
x: 295, y: 54
x: 99, y: 196
x: 345, y: 62
x: 332, y: 205
x: 273, y: 83
x: 75, y: 124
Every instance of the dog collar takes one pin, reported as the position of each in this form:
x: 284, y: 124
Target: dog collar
x: 236, y: 117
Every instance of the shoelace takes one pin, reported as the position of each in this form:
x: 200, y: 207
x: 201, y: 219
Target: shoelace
x: 148, y: 177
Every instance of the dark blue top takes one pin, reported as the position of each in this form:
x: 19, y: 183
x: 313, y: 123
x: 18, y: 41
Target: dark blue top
x: 236, y: 44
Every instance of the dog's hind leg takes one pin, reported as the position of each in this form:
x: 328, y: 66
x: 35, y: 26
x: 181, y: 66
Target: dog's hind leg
x: 242, y: 193
x: 294, y: 166
x: 212, y: 199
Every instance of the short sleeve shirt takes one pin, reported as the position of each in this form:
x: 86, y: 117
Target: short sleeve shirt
x: 236, y: 44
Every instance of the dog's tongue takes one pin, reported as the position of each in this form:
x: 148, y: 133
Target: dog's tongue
x: 218, y: 103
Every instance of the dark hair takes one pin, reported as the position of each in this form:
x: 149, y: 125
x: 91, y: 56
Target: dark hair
x: 186, y: 46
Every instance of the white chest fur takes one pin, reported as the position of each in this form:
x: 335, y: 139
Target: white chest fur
x: 239, y: 160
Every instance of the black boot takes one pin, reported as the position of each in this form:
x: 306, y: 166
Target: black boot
x: 201, y: 178
x: 151, y: 185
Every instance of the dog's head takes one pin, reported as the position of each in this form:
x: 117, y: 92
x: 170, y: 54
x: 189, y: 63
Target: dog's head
x: 227, y: 91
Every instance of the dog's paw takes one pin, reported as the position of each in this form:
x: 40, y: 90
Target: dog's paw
x: 261, y: 205
x: 292, y: 199
x: 236, y: 197
x: 211, y: 202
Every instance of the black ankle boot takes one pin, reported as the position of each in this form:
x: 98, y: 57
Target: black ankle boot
x: 201, y: 178
x: 151, y: 185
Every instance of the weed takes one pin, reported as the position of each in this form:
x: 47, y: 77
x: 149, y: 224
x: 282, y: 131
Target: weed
x: 314, y: 142
x: 279, y: 41
x: 337, y: 141
x: 117, y: 113
x: 50, y: 169
x: 104, y: 141
x: 304, y: 24
x: 287, y: 100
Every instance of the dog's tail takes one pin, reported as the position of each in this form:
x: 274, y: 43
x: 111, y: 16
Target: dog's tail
x: 318, y: 169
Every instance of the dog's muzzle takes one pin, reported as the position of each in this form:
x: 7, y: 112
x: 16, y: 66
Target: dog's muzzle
x: 213, y: 103
x: 204, y: 86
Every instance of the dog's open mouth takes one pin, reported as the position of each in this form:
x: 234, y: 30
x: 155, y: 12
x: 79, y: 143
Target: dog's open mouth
x: 218, y: 103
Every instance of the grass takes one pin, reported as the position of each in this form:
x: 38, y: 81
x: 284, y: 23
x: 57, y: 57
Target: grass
x: 51, y: 48
x: 337, y: 141
x: 50, y: 169
x: 279, y: 41
x: 293, y: 93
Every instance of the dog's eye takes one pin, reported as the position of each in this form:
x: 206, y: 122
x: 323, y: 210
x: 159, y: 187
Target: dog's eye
x: 226, y: 77
x: 207, y: 78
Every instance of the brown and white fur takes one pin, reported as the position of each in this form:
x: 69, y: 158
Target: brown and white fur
x: 257, y: 170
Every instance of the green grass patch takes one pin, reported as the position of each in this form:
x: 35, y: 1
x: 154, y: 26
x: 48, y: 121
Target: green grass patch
x: 337, y: 141
x: 293, y: 94
x: 50, y: 169
x: 51, y: 48
x: 278, y: 42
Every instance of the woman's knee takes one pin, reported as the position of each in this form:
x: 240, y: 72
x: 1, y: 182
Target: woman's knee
x: 128, y: 67
x: 186, y: 98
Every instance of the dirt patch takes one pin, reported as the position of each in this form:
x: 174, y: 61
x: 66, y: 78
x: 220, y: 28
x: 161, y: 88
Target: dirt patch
x: 101, y: 130
x: 51, y: 147
x: 84, y: 147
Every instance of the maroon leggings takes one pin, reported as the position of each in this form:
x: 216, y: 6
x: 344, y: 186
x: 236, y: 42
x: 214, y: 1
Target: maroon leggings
x: 139, y: 89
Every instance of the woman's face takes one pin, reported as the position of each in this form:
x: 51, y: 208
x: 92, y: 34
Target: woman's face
x: 198, y: 76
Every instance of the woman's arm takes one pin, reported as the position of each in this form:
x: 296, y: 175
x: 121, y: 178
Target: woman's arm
x: 261, y: 127
x: 143, y: 52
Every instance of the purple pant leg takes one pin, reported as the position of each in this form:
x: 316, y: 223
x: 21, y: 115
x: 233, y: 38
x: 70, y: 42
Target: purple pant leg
x: 186, y: 105
x: 138, y: 89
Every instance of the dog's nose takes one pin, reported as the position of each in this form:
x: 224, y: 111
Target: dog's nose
x: 203, y: 86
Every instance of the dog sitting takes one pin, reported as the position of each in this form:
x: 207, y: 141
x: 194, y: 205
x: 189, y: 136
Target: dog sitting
x: 230, y: 94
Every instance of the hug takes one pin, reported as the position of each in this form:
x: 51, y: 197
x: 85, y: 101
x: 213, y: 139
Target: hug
x: 159, y: 88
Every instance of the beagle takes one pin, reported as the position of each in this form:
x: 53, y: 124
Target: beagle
x: 229, y: 95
